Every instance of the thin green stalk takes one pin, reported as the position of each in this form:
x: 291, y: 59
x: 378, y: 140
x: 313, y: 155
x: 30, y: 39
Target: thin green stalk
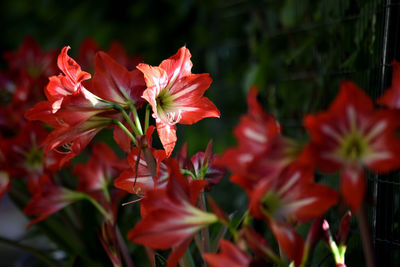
x: 127, y: 118
x: 231, y: 229
x: 136, y: 116
x: 36, y: 253
x: 117, y: 122
x: 272, y: 256
x: 205, y: 235
x: 96, y: 204
x: 187, y: 172
x: 147, y: 117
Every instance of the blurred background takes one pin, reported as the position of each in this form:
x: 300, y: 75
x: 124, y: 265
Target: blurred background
x: 295, y: 51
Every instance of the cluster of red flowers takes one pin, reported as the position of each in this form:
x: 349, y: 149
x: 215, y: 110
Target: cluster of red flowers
x: 275, y: 171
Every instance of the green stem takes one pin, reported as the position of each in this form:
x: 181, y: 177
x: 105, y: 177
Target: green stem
x: 96, y: 204
x: 272, y: 256
x: 187, y: 172
x: 127, y: 118
x: 136, y: 117
x: 117, y: 122
x: 205, y: 235
x: 147, y: 117
x: 231, y: 229
x: 38, y: 254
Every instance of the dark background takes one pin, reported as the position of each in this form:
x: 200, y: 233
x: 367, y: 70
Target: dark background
x: 295, y: 51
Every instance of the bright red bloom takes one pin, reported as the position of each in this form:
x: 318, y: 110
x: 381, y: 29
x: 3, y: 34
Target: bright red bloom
x: 230, y: 255
x: 176, y: 95
x: 114, y: 83
x: 352, y: 135
x: 68, y: 100
x: 74, y: 111
x: 68, y: 83
x: 171, y: 217
x: 391, y: 97
x: 138, y: 179
x: 49, y: 199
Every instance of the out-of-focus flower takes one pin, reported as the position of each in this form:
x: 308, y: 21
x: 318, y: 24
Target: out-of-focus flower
x: 49, y: 199
x: 352, y: 135
x: 253, y: 134
x: 202, y: 166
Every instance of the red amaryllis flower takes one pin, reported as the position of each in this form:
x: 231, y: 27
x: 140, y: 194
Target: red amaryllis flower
x: 293, y: 196
x: 254, y: 134
x: 176, y: 95
x: 202, y: 166
x: 68, y: 83
x: 230, y: 255
x: 391, y: 97
x: 351, y: 135
x: 138, y: 179
x: 97, y: 174
x: 49, y: 199
x: 31, y: 59
x: 68, y: 100
x: 71, y: 140
x: 171, y: 217
x: 114, y: 83
x: 23, y: 157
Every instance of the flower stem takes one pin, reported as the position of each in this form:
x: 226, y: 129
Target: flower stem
x: 117, y: 122
x: 365, y: 237
x: 136, y: 117
x: 187, y: 172
x: 97, y: 206
x: 127, y: 118
x: 147, y: 118
x: 38, y: 254
x: 204, y: 233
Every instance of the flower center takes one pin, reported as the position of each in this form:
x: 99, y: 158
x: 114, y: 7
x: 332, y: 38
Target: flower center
x: 166, y: 109
x: 270, y: 204
x: 34, y: 159
x: 354, y: 147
